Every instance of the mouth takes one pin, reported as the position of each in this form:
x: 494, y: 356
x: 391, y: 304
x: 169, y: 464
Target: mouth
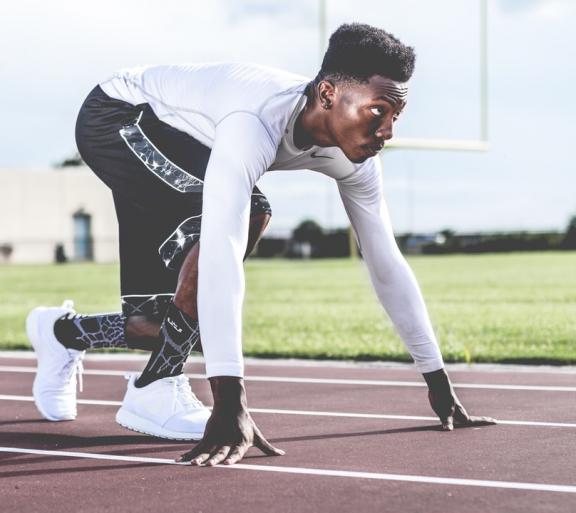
x: 373, y: 149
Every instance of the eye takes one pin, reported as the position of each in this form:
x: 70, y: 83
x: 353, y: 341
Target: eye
x: 377, y: 111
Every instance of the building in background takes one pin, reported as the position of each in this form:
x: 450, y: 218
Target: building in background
x: 66, y: 214
x: 50, y: 215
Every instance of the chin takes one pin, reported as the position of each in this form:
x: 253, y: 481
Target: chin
x: 355, y: 157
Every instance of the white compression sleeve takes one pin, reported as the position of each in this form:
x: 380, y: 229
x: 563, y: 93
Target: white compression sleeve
x: 391, y: 276
x: 241, y: 153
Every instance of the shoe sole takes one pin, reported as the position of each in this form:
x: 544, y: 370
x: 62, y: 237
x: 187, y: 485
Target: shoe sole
x: 134, y: 422
x: 33, y: 334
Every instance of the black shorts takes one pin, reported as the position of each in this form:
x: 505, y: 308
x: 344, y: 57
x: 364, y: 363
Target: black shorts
x: 156, y: 175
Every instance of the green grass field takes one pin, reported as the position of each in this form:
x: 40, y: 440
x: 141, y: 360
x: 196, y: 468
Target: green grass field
x: 518, y: 307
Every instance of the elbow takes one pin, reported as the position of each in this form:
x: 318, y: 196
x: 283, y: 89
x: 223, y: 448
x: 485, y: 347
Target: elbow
x: 389, y: 269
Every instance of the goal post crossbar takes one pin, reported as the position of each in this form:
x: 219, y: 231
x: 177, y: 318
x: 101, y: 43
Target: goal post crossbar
x: 437, y: 144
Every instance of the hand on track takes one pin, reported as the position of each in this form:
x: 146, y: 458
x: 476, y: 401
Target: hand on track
x: 230, y: 431
x: 446, y: 404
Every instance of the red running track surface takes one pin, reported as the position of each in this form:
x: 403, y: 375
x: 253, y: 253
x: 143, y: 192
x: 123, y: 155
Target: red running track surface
x: 358, y: 464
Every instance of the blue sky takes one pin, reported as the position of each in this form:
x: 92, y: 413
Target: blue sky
x: 59, y: 50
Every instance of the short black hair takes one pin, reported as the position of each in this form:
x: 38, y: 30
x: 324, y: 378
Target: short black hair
x: 358, y: 51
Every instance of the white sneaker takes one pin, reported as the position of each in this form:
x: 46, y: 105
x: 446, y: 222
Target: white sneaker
x: 166, y: 408
x: 54, y: 387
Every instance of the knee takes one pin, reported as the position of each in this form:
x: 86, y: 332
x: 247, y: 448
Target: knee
x: 260, y: 206
x: 258, y: 223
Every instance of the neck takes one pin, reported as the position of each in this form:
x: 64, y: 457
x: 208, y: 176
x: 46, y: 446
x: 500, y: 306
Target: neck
x: 311, y: 127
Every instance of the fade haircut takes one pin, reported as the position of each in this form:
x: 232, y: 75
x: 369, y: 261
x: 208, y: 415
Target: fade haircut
x: 358, y: 51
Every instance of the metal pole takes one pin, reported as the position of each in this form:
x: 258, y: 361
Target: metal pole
x: 352, y: 243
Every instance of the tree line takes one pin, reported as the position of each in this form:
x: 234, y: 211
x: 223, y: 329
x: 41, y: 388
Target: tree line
x: 310, y: 240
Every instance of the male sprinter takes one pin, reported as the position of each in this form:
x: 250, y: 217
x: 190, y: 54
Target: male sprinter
x: 181, y: 148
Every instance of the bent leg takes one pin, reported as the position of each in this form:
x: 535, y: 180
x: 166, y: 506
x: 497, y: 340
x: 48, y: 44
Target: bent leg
x: 138, y: 326
x: 179, y: 331
x: 142, y: 332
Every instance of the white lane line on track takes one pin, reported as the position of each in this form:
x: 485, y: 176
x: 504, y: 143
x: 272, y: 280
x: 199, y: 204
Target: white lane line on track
x: 101, y: 402
x: 325, y: 381
x: 93, y: 402
x: 91, y: 455
x: 402, y: 417
x: 476, y: 368
x: 540, y: 487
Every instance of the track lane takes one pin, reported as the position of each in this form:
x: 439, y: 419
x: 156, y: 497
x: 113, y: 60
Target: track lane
x: 365, y: 445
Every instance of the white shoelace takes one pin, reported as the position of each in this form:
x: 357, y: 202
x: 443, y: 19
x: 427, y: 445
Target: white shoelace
x: 74, y: 364
x: 186, y: 395
x: 75, y: 361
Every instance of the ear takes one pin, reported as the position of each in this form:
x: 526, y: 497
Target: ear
x: 326, y: 92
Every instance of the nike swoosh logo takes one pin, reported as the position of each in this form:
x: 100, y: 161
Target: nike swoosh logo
x: 314, y: 155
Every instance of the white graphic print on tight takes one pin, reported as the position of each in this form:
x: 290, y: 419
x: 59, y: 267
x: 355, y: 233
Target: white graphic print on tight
x: 152, y: 305
x: 174, y: 248
x: 155, y: 160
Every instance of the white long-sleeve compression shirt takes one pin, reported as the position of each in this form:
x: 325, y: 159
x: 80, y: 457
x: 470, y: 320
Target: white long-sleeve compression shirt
x: 246, y: 115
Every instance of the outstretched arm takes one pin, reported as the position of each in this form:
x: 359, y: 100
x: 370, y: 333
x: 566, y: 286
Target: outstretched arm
x: 390, y: 274
x: 396, y: 286
x: 231, y: 174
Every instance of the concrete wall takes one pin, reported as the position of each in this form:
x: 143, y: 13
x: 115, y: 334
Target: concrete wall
x: 37, y: 209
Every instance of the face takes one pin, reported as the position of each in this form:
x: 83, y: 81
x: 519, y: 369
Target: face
x: 361, y: 117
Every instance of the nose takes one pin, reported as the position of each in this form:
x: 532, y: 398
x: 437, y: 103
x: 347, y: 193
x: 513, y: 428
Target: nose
x: 385, y: 131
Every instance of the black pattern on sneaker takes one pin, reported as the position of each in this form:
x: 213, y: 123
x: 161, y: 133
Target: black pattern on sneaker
x: 180, y: 335
x: 102, y: 331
